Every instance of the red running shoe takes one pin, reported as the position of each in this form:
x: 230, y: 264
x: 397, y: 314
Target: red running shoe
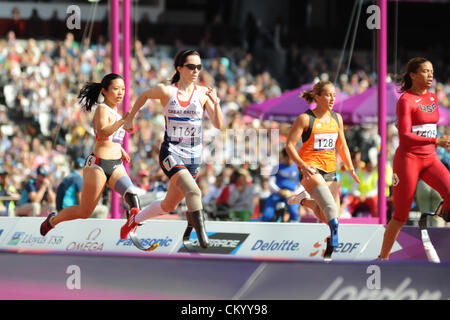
x: 129, y: 225
x: 46, y: 226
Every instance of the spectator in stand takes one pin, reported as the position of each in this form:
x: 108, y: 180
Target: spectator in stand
x: 242, y: 197
x: 37, y: 196
x: 8, y: 190
x: 283, y: 184
x: 144, y: 180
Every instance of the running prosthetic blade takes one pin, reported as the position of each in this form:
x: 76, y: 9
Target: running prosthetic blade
x: 328, y: 251
x: 137, y: 242
x: 431, y: 253
x: 186, y: 241
x: 334, y: 225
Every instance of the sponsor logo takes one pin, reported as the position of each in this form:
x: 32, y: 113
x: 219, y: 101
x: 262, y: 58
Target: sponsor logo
x: 428, y: 109
x: 276, y: 245
x: 342, y: 247
x: 220, y: 242
x: 90, y: 244
x: 339, y: 291
x: 163, y: 242
x: 30, y: 240
x: 15, y: 239
x: 418, y: 100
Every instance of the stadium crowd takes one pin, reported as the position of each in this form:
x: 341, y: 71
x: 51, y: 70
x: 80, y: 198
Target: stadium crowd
x: 42, y: 124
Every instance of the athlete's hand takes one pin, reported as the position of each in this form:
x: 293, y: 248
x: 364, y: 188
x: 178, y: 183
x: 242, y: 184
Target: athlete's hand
x: 125, y: 156
x: 308, y: 171
x: 129, y: 126
x: 354, y: 175
x: 212, y: 94
x: 443, y: 142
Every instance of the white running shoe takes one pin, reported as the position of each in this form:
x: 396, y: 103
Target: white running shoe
x: 298, y: 198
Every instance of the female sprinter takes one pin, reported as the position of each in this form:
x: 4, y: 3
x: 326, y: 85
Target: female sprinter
x: 321, y: 131
x: 104, y: 165
x: 415, y: 157
x: 180, y: 154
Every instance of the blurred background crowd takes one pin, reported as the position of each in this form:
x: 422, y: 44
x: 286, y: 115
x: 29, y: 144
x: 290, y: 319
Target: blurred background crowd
x: 42, y: 125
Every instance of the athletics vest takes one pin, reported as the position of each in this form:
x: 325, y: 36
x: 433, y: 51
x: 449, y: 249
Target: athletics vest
x: 183, y: 125
x: 119, y: 134
x: 319, y: 142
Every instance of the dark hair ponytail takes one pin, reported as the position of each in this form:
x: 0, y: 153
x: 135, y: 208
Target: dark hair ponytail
x: 179, y: 61
x: 413, y: 65
x: 89, y: 94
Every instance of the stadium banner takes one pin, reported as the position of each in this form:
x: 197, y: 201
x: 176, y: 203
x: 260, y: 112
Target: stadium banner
x: 302, y: 241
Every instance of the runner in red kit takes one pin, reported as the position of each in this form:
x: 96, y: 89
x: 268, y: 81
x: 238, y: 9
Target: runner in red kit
x: 417, y: 115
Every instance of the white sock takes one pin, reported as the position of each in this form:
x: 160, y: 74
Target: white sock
x: 152, y: 210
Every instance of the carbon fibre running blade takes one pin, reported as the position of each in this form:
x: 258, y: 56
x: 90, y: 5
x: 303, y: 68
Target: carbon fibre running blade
x: 186, y: 241
x: 426, y: 241
x: 137, y: 242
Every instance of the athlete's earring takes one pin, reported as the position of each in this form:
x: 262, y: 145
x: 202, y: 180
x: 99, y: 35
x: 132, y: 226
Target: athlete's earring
x: 100, y: 98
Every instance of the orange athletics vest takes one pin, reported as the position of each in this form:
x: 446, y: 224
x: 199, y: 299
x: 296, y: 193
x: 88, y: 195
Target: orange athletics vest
x: 319, y: 142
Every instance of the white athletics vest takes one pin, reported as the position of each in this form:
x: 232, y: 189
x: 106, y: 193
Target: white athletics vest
x: 183, y: 131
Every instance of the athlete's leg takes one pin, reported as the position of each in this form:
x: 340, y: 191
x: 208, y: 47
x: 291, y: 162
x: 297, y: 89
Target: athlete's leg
x: 159, y: 207
x: 186, y: 183
x: 334, y: 188
x: 406, y: 174
x: 321, y: 193
x: 122, y: 184
x: 437, y: 176
x: 93, y: 183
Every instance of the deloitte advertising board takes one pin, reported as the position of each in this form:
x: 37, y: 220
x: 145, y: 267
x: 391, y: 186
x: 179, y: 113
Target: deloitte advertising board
x: 292, y: 240
x: 244, y: 239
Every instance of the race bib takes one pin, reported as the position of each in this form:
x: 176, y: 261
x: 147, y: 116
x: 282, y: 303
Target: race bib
x: 325, y: 141
x: 169, y: 162
x: 428, y: 130
x: 90, y: 161
x: 118, y: 136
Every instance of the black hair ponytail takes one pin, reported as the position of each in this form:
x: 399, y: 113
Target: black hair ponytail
x: 89, y: 94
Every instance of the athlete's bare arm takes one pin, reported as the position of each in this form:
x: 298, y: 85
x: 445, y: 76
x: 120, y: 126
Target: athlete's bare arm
x: 343, y: 151
x: 294, y: 137
x: 160, y: 92
x: 213, y: 107
x: 103, y: 124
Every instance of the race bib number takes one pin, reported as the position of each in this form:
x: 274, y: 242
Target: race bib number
x: 118, y: 136
x: 90, y: 161
x: 184, y: 130
x: 426, y: 130
x: 325, y: 141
